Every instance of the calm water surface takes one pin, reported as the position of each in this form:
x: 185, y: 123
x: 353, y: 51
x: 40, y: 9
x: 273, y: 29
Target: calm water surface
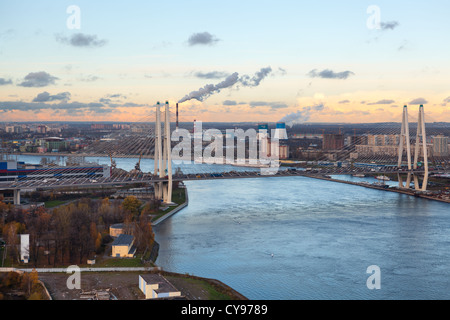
x: 323, y: 237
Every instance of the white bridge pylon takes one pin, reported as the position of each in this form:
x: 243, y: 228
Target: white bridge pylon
x: 421, y: 139
x: 163, y: 155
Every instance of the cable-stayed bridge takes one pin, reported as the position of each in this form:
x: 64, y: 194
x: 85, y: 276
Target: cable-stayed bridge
x: 147, y: 141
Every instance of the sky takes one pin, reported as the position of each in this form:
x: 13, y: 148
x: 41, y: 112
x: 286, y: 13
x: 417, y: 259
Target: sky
x: 226, y: 61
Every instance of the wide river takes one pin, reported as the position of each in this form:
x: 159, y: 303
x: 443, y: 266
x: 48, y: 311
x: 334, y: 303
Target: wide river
x: 301, y: 238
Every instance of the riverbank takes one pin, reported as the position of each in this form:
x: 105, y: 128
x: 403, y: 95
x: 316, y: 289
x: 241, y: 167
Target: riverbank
x: 371, y: 186
x: 173, y: 210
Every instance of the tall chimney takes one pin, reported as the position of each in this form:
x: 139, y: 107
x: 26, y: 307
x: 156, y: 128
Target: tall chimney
x: 177, y: 119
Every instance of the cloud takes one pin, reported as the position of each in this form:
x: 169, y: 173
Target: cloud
x: 229, y: 103
x: 384, y: 101
x: 71, y: 108
x: 302, y: 115
x: 418, y: 101
x: 344, y: 101
x: 203, y: 38
x: 211, y: 75
x: 82, y: 40
x: 282, y: 71
x: 109, y: 98
x: 403, y: 46
x: 105, y: 100
x: 329, y: 74
x: 389, y: 25
x: 116, y: 96
x: 38, y: 79
x: 45, y: 96
x: 4, y: 82
x: 89, y: 78
x: 272, y: 105
x: 7, y: 34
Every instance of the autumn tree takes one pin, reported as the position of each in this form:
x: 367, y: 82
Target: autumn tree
x: 4, y: 208
x: 10, y: 234
x: 38, y: 223
x: 131, y: 206
x: 61, y: 218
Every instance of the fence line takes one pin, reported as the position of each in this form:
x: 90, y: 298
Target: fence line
x: 64, y: 270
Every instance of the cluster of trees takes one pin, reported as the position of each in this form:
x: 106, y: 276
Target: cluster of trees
x: 137, y: 222
x: 23, y: 285
x: 72, y: 233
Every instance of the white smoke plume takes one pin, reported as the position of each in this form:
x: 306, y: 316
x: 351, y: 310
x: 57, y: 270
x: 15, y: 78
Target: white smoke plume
x: 205, y: 92
x: 301, y: 116
x: 256, y: 79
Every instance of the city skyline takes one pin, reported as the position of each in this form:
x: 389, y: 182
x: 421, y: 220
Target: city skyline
x: 261, y: 61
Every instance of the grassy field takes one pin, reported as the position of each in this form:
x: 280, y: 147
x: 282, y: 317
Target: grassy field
x: 119, y: 263
x: 54, y: 203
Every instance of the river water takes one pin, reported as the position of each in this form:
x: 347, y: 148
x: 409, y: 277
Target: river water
x: 295, y: 238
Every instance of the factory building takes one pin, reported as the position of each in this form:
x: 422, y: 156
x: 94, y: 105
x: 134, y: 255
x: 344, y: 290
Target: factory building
x: 280, y: 131
x: 263, y: 138
x: 267, y: 146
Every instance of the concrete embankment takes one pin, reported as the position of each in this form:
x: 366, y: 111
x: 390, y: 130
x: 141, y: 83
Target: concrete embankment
x: 177, y: 209
x: 371, y: 186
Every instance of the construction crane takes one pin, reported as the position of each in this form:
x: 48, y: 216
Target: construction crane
x: 137, y: 167
x: 113, y: 162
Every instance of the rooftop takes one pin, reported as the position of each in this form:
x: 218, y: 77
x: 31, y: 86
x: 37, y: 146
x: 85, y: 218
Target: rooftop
x: 163, y: 284
x: 123, y: 240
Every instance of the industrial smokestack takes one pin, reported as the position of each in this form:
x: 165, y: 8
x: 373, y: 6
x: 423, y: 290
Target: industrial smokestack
x: 177, y: 119
x: 280, y: 131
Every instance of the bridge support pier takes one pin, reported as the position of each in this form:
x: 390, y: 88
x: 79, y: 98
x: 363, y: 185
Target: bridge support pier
x: 404, y: 139
x: 421, y: 139
x: 17, y: 197
x: 163, y: 156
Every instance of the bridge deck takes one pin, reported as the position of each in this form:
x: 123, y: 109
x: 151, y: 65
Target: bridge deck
x: 149, y: 179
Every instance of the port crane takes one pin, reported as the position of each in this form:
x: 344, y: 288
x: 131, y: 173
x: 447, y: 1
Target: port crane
x: 137, y: 167
x: 113, y: 162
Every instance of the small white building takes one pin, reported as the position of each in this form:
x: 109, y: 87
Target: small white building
x: 24, y: 248
x: 156, y: 286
